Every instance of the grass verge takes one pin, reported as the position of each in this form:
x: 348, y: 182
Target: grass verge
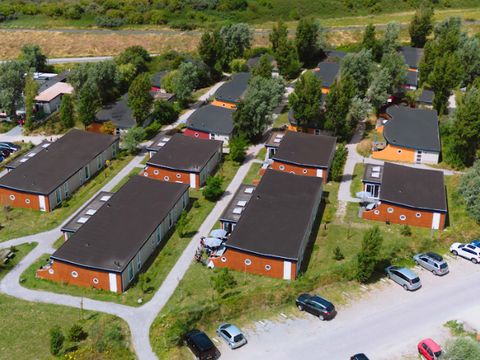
x: 20, y: 251
x: 17, y: 222
x: 160, y: 264
x: 252, y: 174
x: 356, y: 185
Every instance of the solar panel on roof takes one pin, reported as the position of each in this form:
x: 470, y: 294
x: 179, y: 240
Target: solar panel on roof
x: 277, y: 140
x: 161, y: 144
x: 375, y: 174
x: 105, y: 198
x: 279, y: 136
x: 32, y: 154
x: 91, y: 212
x: 376, y: 168
x: 242, y: 203
x: 82, y: 220
x: 23, y: 160
x: 165, y: 139
x: 249, y: 190
x: 46, y: 145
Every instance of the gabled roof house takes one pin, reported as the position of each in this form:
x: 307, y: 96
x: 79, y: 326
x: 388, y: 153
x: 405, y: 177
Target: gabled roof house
x: 54, y: 173
x: 211, y: 122
x: 229, y: 94
x: 114, y: 245
x: 185, y: 159
x: 328, y: 72
x: 405, y: 195
x: 411, y: 135
x: 274, y: 229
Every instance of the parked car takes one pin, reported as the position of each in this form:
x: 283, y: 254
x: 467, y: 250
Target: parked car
x: 316, y: 305
x: 403, y: 276
x: 429, y: 349
x: 467, y: 251
x: 476, y: 243
x: 432, y: 262
x: 5, y: 153
x: 201, y: 346
x: 232, y: 335
x: 10, y: 145
x: 361, y: 356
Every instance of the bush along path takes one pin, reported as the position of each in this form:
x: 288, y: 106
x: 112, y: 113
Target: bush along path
x: 139, y: 319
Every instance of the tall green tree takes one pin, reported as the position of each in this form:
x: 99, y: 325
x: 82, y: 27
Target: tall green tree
x: 33, y: 57
x: 278, y: 35
x: 132, y: 138
x: 370, y: 42
x: 447, y: 74
x: 185, y: 81
x: 421, y: 26
x: 238, y: 149
x: 253, y: 113
x: 30, y: 92
x: 210, y: 48
x: 308, y: 40
x: 305, y: 101
x: 12, y: 84
x: 391, y: 39
x: 164, y: 112
x: 136, y: 55
x: 337, y: 106
x: 264, y: 67
x: 359, y: 67
x: 377, y: 93
x: 394, y: 64
x: 236, y: 39
x: 56, y: 340
x: 288, y: 63
x: 87, y: 103
x: 469, y: 189
x: 469, y: 57
x: 369, y: 254
x: 67, y: 111
x: 462, y: 140
x: 139, y: 98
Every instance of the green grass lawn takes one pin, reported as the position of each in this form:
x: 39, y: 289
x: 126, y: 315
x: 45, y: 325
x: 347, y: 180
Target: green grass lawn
x: 22, y: 222
x: 281, y: 120
x: 25, y: 327
x: 196, y: 304
x: 20, y: 251
x: 157, y: 268
x: 252, y: 173
x: 356, y: 185
x: 261, y: 154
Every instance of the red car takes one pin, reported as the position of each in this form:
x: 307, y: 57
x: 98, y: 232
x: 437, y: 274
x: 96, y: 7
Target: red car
x: 429, y: 349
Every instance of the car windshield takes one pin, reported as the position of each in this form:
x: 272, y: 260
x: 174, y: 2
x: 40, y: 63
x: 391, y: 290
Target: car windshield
x: 238, y: 338
x: 438, y: 353
x: 322, y: 303
x: 435, y: 256
x: 443, y: 266
x: 416, y: 280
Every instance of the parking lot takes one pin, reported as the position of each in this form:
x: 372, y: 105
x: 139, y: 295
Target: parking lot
x: 385, y: 323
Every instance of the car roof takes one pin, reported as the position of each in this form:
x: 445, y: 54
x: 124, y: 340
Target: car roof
x: 407, y: 272
x: 434, y: 256
x: 432, y: 345
x: 201, y: 339
x: 232, y: 329
x: 320, y: 300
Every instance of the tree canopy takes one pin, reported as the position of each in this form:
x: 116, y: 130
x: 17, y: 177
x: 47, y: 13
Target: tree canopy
x: 309, y: 40
x: 12, y: 83
x: 421, y: 26
x: 368, y: 256
x: 33, y: 57
x: 264, y: 67
x: 359, y: 67
x: 305, y: 101
x: 139, y: 99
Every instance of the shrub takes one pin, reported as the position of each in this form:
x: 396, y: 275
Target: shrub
x: 462, y: 348
x: 238, y: 65
x: 114, y: 334
x: 238, y: 146
x: 337, y: 254
x: 213, y: 189
x: 152, y: 130
x: 56, y: 340
x: 164, y: 112
x: 223, y: 281
x: 132, y: 138
x: 76, y: 333
x: 339, y: 162
x: 368, y: 256
x: 406, y: 230
x: 364, y: 147
x: 108, y: 22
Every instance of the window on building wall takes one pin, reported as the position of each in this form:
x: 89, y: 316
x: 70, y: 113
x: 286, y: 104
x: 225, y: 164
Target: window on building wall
x: 373, y: 189
x: 248, y: 262
x: 95, y: 281
x: 418, y: 215
x: 268, y: 267
x: 399, y: 151
x: 178, y: 176
x: 158, y: 235
x: 169, y: 220
x: 403, y: 217
x: 58, y: 195
x: 114, y: 150
x: 139, y: 261
x: 305, y: 171
x: 130, y: 271
x: 66, y: 189
x: 390, y: 210
x: 166, y: 178
x: 87, y: 173
x: 376, y: 212
x: 281, y: 167
x: 12, y: 197
x: 223, y: 259
x: 99, y: 162
x: 156, y: 172
x: 74, y: 274
x: 27, y: 201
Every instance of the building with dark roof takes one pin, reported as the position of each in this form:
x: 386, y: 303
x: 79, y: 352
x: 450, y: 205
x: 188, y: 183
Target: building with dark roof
x: 229, y: 94
x: 274, y: 229
x: 426, y: 98
x: 53, y: 174
x: 234, y: 210
x: 335, y: 55
x: 28, y: 155
x: 185, y: 159
x: 405, y: 195
x: 411, y: 135
x: 211, y: 122
x: 412, y: 56
x: 411, y: 80
x: 327, y: 71
x: 112, y: 247
x: 118, y: 112
x: 253, y: 62
x: 304, y: 154
x: 85, y: 213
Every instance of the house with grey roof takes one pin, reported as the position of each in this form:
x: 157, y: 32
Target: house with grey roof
x: 231, y: 93
x: 211, y: 122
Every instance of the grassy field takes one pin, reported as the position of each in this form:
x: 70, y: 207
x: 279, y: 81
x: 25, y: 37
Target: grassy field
x: 21, y: 222
x: 25, y: 327
x: 20, y: 251
x: 196, y: 304
x: 252, y: 173
x: 357, y: 179
x: 158, y: 267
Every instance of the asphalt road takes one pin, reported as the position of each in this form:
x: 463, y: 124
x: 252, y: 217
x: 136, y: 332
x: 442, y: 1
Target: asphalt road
x: 387, y: 323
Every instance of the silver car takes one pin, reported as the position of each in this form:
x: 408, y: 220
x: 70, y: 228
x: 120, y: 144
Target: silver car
x: 232, y: 335
x: 432, y: 262
x: 403, y: 276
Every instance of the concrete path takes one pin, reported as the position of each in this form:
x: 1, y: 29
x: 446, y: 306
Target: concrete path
x: 16, y: 135
x: 139, y: 319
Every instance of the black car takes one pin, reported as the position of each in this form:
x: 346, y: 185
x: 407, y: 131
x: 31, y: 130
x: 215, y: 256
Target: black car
x: 4, y: 153
x: 10, y: 145
x: 361, y: 356
x: 317, y: 306
x: 201, y: 345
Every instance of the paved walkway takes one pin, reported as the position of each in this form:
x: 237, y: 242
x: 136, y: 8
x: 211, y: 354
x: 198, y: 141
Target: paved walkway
x: 16, y: 135
x: 138, y: 319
